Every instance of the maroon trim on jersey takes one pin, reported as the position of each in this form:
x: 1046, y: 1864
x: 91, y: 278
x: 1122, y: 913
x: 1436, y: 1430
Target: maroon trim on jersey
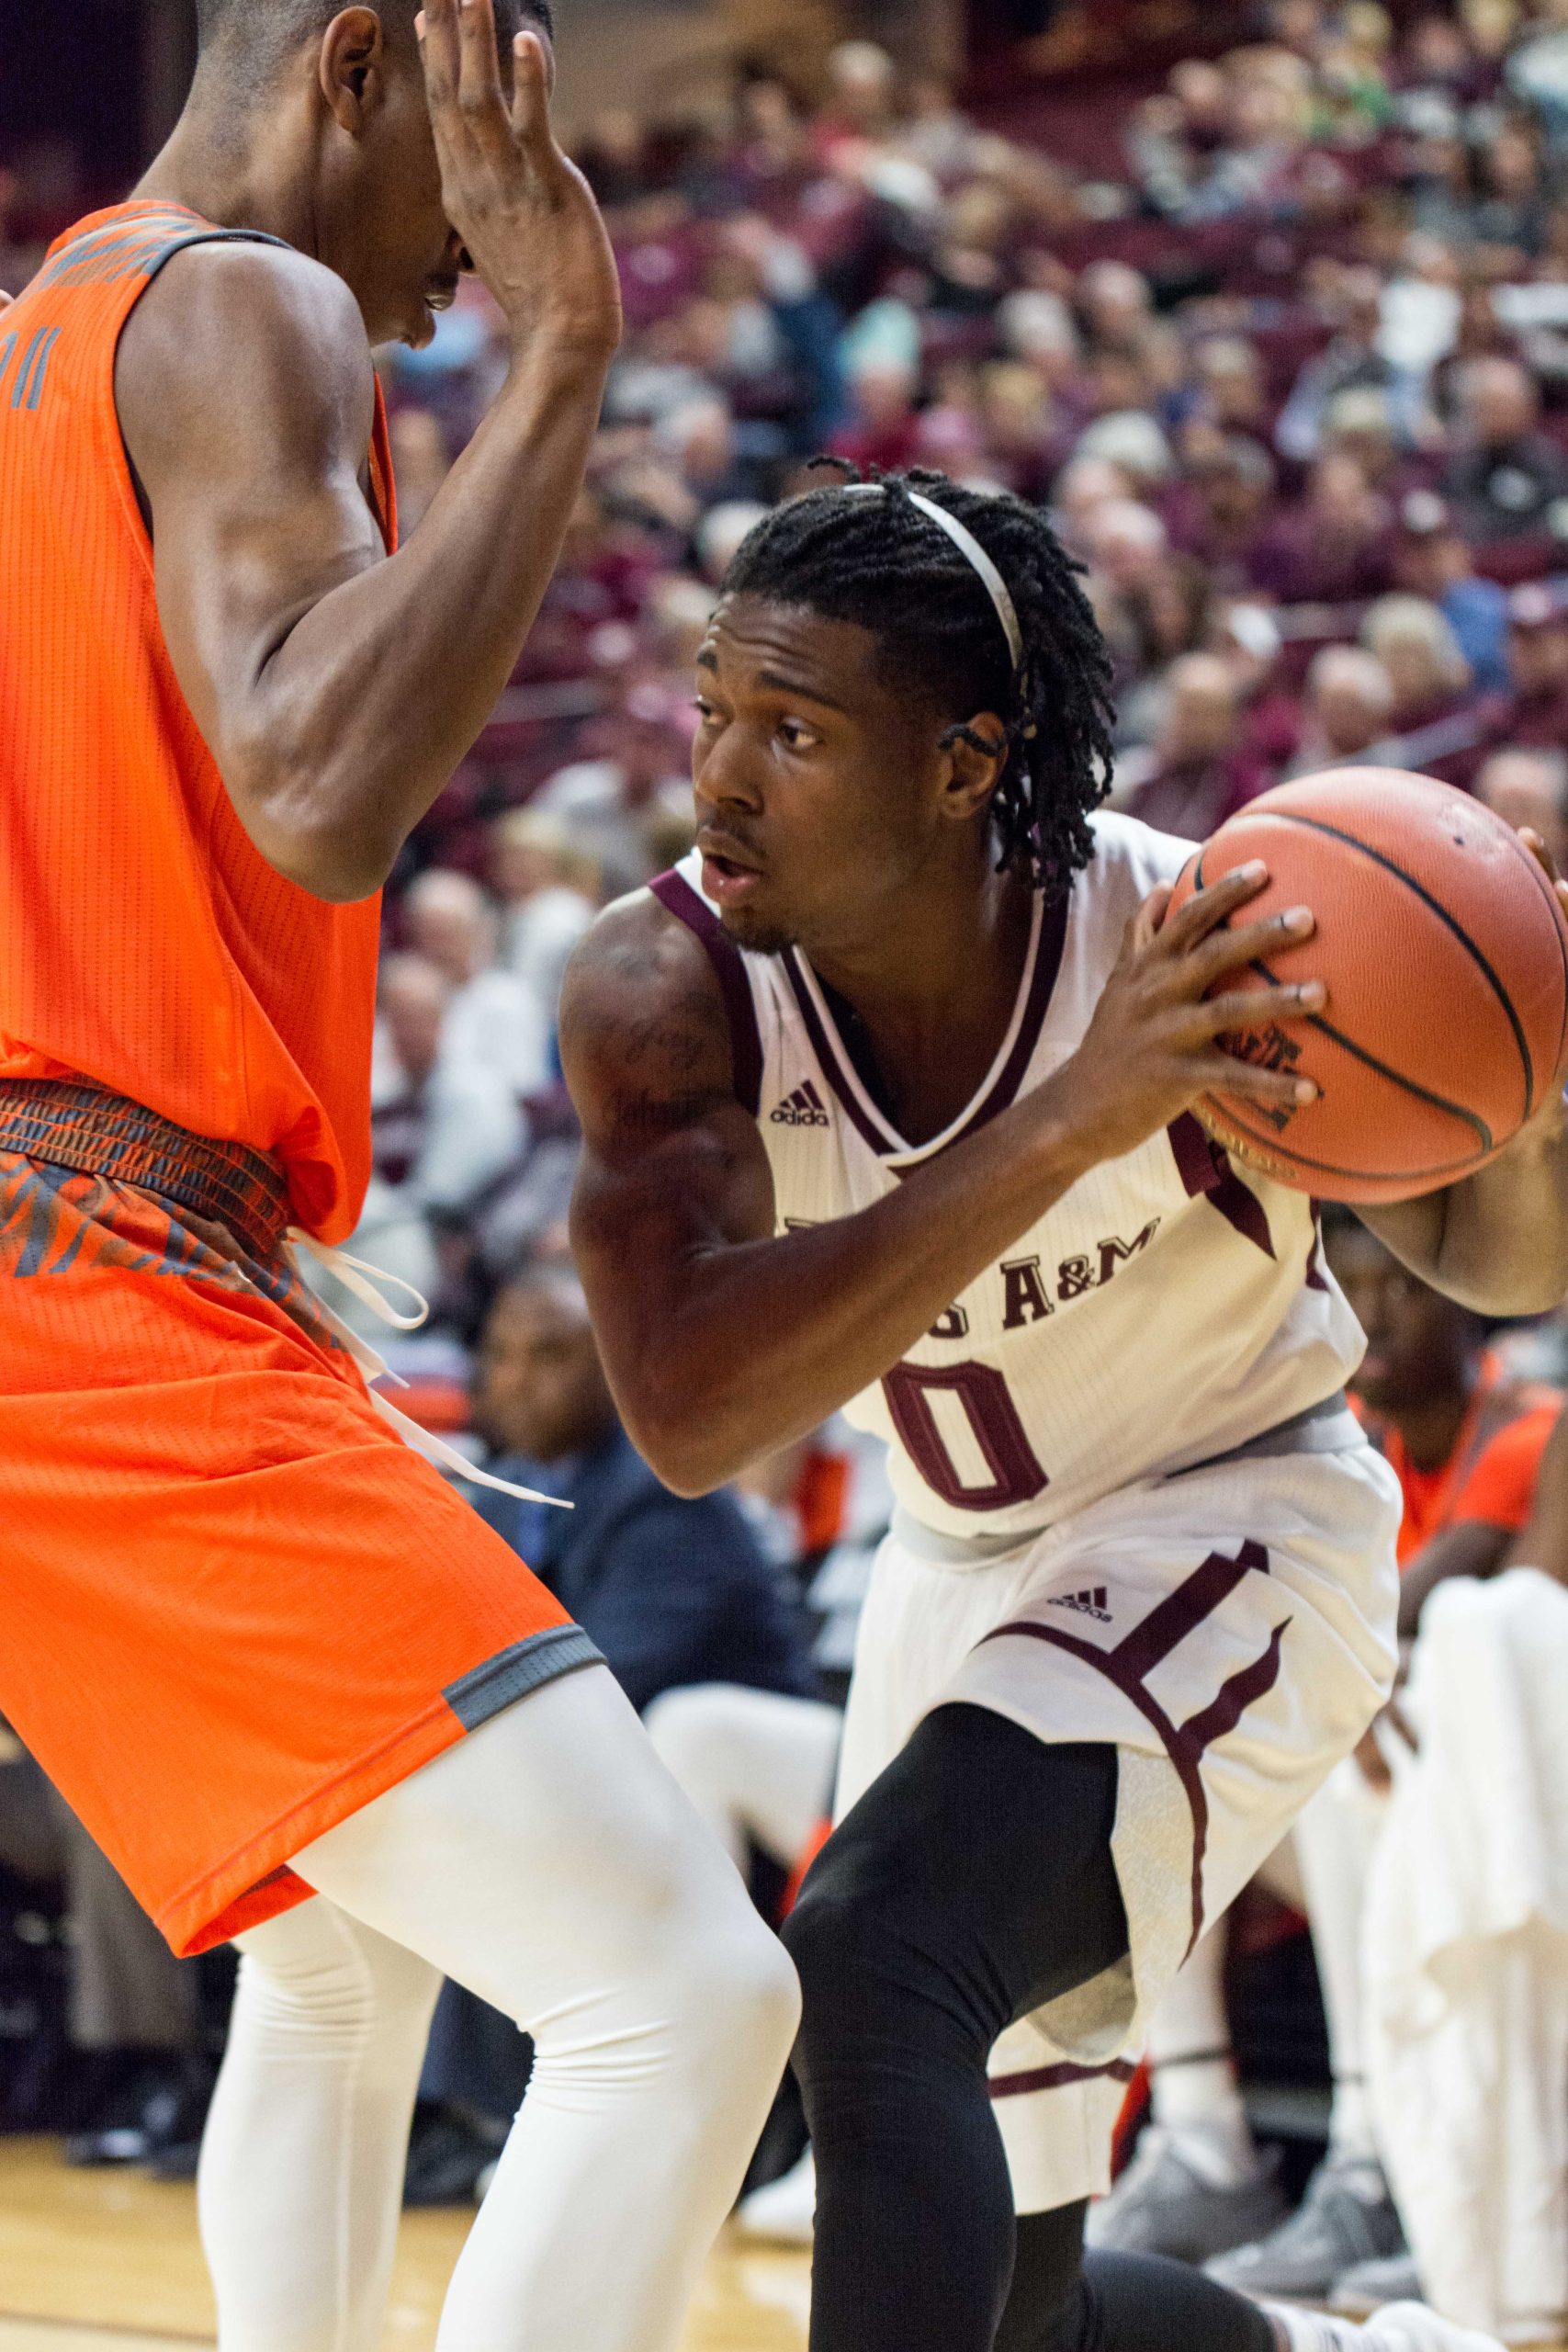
x: 1134, y: 1658
x: 1181, y: 1611
x: 1204, y: 1167
x: 676, y: 895
x: 1042, y: 982
x: 825, y: 1045
x: 836, y: 1062
x: 1054, y: 2078
x: 1316, y: 1278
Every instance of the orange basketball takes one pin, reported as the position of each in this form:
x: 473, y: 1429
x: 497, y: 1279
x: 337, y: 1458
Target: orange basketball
x: 1445, y: 955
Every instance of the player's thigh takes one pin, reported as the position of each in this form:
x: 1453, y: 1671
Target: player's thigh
x: 548, y: 1851
x: 977, y: 1864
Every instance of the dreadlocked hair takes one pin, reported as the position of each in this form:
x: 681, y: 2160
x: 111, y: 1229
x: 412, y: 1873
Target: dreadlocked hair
x: 881, y: 563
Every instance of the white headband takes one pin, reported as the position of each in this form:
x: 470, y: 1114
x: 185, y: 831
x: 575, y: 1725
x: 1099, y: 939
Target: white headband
x: 969, y: 547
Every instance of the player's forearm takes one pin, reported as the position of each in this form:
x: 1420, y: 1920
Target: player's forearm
x: 744, y: 1347
x: 1497, y: 1241
x: 360, y: 716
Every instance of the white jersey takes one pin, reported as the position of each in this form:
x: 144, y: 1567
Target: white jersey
x: 1168, y: 1309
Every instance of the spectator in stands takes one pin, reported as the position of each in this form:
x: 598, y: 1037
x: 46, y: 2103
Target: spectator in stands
x: 622, y: 807
x: 491, y: 1024
x: 1529, y: 786
x: 674, y: 1592
x: 1348, y: 705
x: 1168, y: 617
x: 1535, y: 707
x: 446, y: 1121
x: 1232, y: 393
x: 1084, y: 485
x: 548, y: 890
x: 1335, y: 548
x: 1432, y: 559
x: 1420, y: 653
x: 1219, y: 515
x: 1506, y: 475
x: 1126, y: 544
x: 1247, y: 638
x: 141, y: 2075
x: 1200, y: 772
x: 1351, y: 361
x: 445, y: 1124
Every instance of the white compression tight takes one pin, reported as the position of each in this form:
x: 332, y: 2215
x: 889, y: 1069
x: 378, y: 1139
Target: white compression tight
x: 757, y: 1765
x: 549, y: 1864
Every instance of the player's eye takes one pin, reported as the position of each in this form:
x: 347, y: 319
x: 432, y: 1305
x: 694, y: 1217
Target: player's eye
x: 706, y: 710
x: 795, y: 736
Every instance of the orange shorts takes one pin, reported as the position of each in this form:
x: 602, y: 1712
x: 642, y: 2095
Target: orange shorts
x: 236, y: 1606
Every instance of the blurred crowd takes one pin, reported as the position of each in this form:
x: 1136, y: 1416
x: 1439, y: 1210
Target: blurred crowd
x: 1283, y: 345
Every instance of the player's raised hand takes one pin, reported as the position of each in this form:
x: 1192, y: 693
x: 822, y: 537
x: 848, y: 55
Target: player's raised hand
x: 525, y: 214
x: 1153, y: 1047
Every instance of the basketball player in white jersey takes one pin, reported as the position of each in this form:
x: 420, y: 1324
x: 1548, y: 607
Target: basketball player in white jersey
x: 887, y: 1097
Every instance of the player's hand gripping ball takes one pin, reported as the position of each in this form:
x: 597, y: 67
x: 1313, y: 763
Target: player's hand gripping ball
x: 1444, y: 949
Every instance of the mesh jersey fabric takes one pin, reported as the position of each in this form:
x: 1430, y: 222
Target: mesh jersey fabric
x: 144, y: 941
x: 237, y: 1608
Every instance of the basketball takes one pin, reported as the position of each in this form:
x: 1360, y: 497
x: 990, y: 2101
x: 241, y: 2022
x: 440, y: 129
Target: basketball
x: 1444, y: 956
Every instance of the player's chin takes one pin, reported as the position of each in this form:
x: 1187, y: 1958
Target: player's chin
x: 758, y: 932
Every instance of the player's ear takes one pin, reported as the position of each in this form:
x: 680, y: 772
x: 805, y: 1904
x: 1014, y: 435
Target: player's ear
x: 351, y: 67
x: 976, y: 751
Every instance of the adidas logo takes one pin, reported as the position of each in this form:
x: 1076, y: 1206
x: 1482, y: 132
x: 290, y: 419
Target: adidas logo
x: 801, y: 1109
x: 1087, y: 1604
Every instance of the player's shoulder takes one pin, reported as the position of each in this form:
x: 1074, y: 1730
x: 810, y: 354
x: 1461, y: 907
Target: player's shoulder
x: 1131, y: 855
x: 640, y: 992
x: 248, y: 324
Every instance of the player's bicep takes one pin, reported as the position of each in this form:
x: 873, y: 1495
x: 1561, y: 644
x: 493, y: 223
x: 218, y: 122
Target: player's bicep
x: 673, y: 1165
x: 247, y: 400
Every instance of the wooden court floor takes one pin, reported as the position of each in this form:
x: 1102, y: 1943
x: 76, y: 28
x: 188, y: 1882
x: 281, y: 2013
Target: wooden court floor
x: 108, y: 2262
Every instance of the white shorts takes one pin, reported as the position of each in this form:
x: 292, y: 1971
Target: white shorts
x: 1231, y: 1630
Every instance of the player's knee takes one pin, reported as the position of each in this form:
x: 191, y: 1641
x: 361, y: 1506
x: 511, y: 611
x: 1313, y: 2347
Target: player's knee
x: 742, y: 1994
x: 843, y: 1942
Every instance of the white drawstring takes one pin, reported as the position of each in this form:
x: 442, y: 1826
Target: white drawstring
x: 350, y: 1271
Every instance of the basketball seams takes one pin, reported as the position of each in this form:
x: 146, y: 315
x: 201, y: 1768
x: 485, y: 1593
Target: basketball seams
x: 1397, y: 1078
x: 1259, y: 1152
x: 1377, y: 857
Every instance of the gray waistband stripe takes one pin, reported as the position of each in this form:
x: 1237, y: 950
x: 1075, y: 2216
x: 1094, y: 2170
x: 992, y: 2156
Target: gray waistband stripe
x: 1327, y: 1428
x: 513, y: 1673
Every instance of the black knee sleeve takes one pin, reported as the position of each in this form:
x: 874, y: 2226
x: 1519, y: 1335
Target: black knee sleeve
x: 973, y: 1882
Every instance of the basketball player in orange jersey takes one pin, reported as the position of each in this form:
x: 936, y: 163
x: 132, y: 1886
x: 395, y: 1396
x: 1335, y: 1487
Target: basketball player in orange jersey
x: 294, y: 1686
x: 887, y: 1094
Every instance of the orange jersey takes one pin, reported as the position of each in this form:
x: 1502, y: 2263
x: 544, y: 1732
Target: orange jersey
x: 1490, y: 1477
x: 145, y: 943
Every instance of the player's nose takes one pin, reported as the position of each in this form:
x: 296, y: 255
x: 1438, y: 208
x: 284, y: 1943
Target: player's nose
x: 725, y: 776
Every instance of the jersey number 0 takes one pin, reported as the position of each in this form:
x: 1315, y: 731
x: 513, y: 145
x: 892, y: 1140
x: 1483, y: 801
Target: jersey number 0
x: 976, y: 1401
